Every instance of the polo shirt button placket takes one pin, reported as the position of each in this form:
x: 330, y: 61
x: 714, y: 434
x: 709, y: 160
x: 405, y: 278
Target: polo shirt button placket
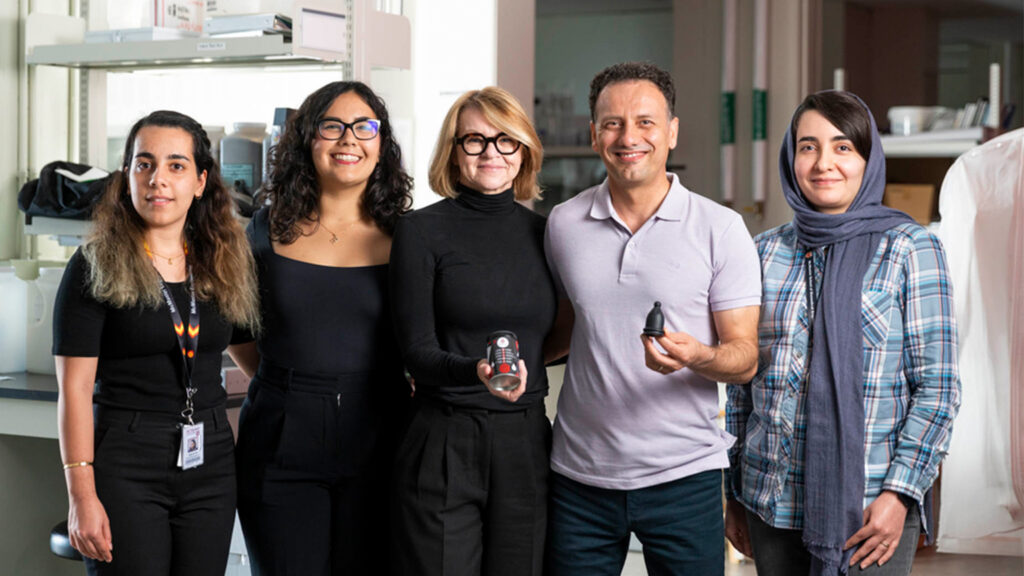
x: 629, y: 259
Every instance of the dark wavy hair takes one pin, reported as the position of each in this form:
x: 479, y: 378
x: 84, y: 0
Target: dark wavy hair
x: 844, y: 111
x: 293, y: 189
x: 120, y: 271
x: 630, y: 71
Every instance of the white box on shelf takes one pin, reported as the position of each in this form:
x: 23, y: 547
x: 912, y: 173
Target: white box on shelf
x: 220, y: 7
x: 185, y: 15
x: 324, y: 31
x: 231, y: 24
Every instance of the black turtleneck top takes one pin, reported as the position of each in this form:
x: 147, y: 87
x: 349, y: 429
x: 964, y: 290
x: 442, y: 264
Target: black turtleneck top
x: 461, y: 269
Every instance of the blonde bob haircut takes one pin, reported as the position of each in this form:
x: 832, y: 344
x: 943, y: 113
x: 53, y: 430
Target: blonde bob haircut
x: 504, y: 112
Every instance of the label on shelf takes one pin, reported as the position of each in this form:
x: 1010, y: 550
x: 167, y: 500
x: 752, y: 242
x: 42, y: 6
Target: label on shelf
x: 211, y: 46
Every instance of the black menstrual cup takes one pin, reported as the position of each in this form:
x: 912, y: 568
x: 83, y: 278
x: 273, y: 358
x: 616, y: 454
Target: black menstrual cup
x: 655, y: 325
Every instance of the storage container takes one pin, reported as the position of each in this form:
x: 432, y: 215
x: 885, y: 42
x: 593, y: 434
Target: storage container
x: 13, y: 316
x: 41, y: 296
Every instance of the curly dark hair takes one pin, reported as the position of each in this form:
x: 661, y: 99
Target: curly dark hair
x: 844, y: 111
x: 293, y: 189
x: 628, y: 71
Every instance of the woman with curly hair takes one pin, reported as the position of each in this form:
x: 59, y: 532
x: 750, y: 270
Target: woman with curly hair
x: 145, y: 439
x: 318, y: 428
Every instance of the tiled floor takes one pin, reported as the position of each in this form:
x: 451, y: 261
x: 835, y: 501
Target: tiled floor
x: 927, y: 563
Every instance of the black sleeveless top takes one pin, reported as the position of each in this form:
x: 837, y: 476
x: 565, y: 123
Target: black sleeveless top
x: 324, y: 320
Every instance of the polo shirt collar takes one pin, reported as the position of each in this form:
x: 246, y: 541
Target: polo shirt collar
x: 672, y: 207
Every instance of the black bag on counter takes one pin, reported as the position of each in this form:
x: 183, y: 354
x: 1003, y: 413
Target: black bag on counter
x: 58, y: 196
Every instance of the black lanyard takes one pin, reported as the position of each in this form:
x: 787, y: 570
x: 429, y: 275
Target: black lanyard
x: 813, y: 284
x: 188, y: 340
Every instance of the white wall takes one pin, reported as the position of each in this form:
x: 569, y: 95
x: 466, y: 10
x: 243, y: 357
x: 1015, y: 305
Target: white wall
x: 454, y: 49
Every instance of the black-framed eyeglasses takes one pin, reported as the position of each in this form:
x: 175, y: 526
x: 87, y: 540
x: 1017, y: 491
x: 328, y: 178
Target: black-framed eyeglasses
x: 474, y: 144
x: 334, y: 128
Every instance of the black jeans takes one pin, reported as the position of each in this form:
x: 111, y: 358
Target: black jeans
x: 164, y: 520
x: 313, y: 474
x: 472, y: 492
x: 679, y: 524
x: 781, y: 552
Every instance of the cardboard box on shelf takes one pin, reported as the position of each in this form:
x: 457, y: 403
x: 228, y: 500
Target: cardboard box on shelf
x: 917, y: 200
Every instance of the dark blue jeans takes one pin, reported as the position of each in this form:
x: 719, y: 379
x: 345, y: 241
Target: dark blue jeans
x: 679, y: 524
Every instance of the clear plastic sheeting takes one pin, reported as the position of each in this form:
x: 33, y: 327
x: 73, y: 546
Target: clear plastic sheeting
x: 982, y: 229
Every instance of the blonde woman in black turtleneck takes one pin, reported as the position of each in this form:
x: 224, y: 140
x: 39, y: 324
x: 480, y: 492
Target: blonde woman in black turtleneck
x: 471, y: 473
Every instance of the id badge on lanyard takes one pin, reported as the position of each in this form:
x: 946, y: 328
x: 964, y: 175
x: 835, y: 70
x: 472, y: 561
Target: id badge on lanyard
x: 190, y: 453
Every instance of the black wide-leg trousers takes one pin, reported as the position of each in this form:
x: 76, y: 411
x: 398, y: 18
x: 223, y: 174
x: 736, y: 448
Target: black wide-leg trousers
x: 471, y: 492
x: 314, y: 462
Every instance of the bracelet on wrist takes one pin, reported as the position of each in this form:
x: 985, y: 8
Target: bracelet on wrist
x: 69, y: 465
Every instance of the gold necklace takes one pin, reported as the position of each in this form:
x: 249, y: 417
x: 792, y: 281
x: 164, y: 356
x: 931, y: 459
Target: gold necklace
x: 334, y: 237
x: 170, y: 259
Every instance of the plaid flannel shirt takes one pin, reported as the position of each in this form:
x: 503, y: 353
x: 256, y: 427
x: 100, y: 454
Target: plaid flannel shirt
x: 911, y: 381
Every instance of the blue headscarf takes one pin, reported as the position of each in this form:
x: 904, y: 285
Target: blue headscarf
x: 834, y: 462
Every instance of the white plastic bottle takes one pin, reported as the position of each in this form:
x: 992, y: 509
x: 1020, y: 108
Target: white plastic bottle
x: 42, y: 294
x: 13, y: 313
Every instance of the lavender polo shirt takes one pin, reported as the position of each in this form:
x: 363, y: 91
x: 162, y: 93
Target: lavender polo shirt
x: 621, y: 425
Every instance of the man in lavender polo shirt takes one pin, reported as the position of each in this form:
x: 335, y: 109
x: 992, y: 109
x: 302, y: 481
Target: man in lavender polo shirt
x: 636, y: 444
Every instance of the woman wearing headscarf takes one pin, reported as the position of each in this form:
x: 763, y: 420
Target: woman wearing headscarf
x: 841, y: 432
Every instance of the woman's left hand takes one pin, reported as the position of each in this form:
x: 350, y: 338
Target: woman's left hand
x: 881, y: 533
x: 484, y: 372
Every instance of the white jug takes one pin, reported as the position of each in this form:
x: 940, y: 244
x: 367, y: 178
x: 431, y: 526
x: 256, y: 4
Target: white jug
x: 42, y: 294
x: 13, y: 314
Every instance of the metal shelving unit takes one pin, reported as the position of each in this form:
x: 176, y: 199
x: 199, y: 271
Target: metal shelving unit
x: 946, y: 144
x: 68, y: 232
x: 201, y: 52
x: 349, y: 34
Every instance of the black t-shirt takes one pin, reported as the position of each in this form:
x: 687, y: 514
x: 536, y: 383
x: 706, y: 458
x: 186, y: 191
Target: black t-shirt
x: 324, y: 319
x: 140, y: 365
x: 461, y: 269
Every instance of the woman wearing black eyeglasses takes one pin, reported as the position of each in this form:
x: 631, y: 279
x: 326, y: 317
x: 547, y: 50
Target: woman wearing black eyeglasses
x: 320, y: 424
x: 471, y: 472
